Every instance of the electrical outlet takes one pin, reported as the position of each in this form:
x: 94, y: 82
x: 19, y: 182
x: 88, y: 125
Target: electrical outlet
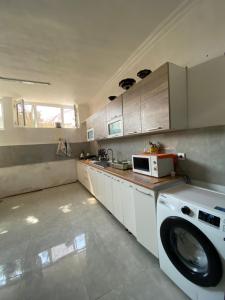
x: 181, y: 156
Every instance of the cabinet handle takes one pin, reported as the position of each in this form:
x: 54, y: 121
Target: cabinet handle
x: 143, y: 192
x: 156, y: 128
x: 132, y: 132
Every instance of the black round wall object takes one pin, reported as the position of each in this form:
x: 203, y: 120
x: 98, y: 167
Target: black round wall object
x: 143, y: 73
x: 127, y: 83
x: 111, y: 98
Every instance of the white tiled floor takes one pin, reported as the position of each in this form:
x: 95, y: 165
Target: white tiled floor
x: 62, y: 244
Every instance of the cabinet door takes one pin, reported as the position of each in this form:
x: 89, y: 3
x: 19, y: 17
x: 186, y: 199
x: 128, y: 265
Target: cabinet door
x: 117, y: 200
x: 145, y: 212
x: 93, y: 181
x: 100, y: 125
x: 83, y: 132
x: 155, y: 101
x: 100, y: 187
x: 114, y: 109
x: 132, y: 111
x: 108, y: 201
x: 129, y: 220
x: 90, y: 122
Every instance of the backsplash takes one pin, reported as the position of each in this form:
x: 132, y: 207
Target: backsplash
x: 31, y: 154
x: 204, y: 148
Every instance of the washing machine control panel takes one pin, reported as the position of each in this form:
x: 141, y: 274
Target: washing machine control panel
x: 209, y: 218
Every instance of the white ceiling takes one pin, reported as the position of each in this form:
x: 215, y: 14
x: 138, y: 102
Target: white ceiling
x: 77, y: 45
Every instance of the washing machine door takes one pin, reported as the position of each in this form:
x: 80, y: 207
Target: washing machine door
x: 191, y: 252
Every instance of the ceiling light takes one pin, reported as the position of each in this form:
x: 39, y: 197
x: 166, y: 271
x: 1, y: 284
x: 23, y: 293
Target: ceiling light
x: 24, y: 81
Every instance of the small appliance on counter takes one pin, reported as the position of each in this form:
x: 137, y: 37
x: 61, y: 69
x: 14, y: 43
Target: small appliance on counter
x: 102, y: 154
x: 156, y: 165
x: 121, y: 165
x: 87, y: 156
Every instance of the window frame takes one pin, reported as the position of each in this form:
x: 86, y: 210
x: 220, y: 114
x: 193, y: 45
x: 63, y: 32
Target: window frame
x: 62, y: 107
x: 3, y: 115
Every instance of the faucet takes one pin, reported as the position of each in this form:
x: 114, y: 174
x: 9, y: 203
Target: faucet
x: 109, y: 149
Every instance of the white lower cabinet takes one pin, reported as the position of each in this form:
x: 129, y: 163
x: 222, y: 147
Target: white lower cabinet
x: 117, y: 199
x: 129, y: 218
x: 83, y: 177
x: 145, y: 212
x: 92, y: 180
x: 97, y: 184
x: 108, y: 195
x: 133, y: 205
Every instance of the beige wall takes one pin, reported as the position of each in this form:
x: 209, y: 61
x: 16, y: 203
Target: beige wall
x: 25, y: 136
x: 186, y: 39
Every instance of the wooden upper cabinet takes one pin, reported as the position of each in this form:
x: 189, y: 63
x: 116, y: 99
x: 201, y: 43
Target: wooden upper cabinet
x: 132, y: 111
x: 90, y: 122
x: 114, y: 109
x: 163, y: 99
x: 83, y: 132
x: 155, y: 101
x: 100, y: 126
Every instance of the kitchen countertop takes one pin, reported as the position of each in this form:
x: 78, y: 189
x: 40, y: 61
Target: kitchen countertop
x: 148, y: 182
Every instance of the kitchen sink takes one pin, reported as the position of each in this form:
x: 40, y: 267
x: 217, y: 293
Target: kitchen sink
x: 103, y: 164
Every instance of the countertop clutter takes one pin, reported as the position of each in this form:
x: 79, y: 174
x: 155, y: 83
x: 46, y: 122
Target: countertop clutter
x: 142, y: 180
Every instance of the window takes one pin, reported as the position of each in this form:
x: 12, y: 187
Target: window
x: 1, y: 116
x: 45, y: 116
x: 29, y: 115
x: 48, y: 116
x: 69, y: 117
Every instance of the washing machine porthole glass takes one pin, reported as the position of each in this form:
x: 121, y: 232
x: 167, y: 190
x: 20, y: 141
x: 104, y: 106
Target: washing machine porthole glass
x: 191, y: 252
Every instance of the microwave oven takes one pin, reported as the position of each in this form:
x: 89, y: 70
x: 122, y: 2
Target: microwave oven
x: 90, y: 134
x: 156, y: 165
x: 115, y: 127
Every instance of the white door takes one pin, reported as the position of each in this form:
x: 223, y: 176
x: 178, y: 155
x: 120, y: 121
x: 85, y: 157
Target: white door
x: 145, y: 212
x: 129, y: 220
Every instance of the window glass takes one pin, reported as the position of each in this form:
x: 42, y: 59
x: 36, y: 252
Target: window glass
x: 29, y: 115
x: 69, y: 117
x: 47, y: 116
x: 1, y: 117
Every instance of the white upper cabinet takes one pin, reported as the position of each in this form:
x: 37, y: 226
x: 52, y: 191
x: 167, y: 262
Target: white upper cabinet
x: 206, y: 90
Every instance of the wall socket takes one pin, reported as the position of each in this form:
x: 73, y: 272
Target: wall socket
x: 181, y: 156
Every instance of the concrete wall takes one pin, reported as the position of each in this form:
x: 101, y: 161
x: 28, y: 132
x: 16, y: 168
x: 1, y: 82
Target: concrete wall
x: 21, y: 179
x: 205, y: 150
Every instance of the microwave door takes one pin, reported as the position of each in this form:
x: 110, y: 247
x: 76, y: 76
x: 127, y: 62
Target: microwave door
x: 142, y: 165
x: 115, y: 128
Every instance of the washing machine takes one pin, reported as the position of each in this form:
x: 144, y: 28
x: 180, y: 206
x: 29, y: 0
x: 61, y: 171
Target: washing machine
x: 191, y: 240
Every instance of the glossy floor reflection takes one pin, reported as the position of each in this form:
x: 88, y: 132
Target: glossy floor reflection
x: 61, y: 243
